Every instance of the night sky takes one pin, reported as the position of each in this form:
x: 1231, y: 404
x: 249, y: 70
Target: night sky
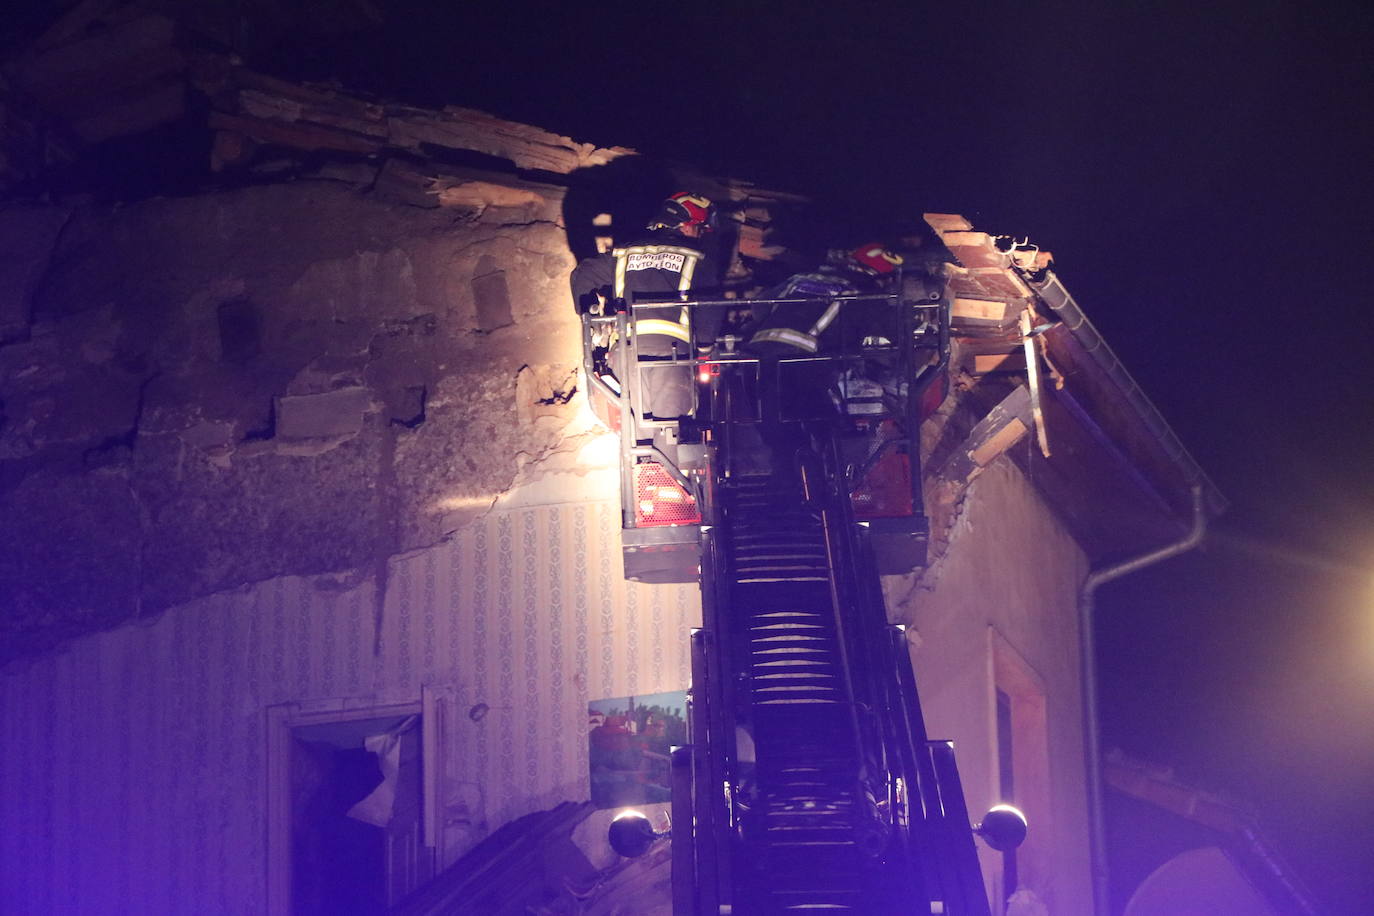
x: 1203, y: 177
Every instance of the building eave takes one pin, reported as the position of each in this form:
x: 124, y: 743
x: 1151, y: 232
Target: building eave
x: 1116, y: 471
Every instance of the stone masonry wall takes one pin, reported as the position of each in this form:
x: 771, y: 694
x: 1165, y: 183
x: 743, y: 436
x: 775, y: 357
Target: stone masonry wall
x: 202, y: 392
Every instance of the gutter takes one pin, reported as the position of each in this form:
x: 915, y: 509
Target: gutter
x: 1088, y: 666
x: 1052, y: 292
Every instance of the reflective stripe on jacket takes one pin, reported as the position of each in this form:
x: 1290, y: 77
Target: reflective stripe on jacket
x: 667, y: 259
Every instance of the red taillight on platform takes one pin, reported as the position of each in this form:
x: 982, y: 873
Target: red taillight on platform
x: 661, y: 500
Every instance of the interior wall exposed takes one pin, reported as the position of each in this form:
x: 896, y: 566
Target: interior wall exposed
x: 138, y: 755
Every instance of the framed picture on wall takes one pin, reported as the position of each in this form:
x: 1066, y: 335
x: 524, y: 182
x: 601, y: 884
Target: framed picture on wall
x: 628, y: 741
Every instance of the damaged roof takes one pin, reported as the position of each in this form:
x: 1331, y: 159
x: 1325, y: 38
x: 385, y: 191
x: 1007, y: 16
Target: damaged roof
x: 1107, y: 461
x: 114, y: 72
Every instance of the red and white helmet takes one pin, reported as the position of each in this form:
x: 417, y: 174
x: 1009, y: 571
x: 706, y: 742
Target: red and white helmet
x: 685, y: 209
x: 874, y: 259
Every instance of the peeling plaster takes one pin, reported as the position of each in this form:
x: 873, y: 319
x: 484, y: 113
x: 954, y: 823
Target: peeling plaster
x: 222, y: 479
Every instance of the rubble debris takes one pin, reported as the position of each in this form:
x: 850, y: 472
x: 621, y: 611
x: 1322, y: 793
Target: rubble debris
x: 998, y: 431
x: 526, y: 866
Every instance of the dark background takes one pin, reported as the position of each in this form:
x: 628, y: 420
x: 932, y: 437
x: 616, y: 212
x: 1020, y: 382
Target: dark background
x: 1202, y: 176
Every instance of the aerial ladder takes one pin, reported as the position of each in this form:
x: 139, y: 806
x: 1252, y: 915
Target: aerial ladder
x: 809, y: 781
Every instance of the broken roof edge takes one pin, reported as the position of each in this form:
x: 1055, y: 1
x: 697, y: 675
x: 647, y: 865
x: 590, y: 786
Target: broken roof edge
x: 534, y: 154
x: 1023, y: 274
x: 1052, y: 292
x: 398, y: 125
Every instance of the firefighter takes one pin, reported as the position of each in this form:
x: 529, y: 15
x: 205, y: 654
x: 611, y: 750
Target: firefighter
x: 824, y: 326
x: 671, y: 258
x: 803, y: 329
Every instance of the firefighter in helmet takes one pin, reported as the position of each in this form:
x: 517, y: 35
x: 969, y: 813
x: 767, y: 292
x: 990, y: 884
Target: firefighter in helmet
x: 670, y: 258
x: 817, y: 324
x: 803, y: 329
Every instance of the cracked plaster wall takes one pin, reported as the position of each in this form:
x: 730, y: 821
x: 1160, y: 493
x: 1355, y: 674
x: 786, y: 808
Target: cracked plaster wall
x: 202, y: 392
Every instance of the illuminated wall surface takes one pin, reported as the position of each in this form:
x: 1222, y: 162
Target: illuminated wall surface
x: 1001, y: 618
x: 133, y: 770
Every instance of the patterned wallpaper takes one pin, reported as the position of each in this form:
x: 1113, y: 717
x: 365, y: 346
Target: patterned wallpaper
x: 133, y: 765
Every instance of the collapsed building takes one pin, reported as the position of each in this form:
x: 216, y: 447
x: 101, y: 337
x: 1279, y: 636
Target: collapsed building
x: 300, y: 456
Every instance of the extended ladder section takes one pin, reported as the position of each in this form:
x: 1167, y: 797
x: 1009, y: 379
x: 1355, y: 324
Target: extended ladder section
x: 812, y: 783
x: 809, y: 813
x: 809, y: 782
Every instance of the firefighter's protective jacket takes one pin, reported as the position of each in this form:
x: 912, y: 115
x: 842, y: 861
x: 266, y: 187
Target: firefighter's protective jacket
x: 659, y: 262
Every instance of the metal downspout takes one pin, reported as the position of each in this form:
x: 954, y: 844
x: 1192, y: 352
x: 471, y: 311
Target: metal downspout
x: 1088, y: 663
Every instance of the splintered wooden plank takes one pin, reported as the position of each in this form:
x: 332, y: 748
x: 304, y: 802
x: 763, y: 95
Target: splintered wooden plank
x: 980, y: 309
x: 1033, y: 380
x: 276, y: 108
x: 309, y: 97
x: 976, y: 317
x: 1001, y: 439
x: 974, y: 249
x: 987, y: 344
x: 999, y: 430
x: 946, y: 222
x: 528, y: 147
x: 266, y: 99
x: 985, y: 283
x: 967, y: 238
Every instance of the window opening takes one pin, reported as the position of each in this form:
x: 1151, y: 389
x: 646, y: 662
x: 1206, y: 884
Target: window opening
x: 346, y: 795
